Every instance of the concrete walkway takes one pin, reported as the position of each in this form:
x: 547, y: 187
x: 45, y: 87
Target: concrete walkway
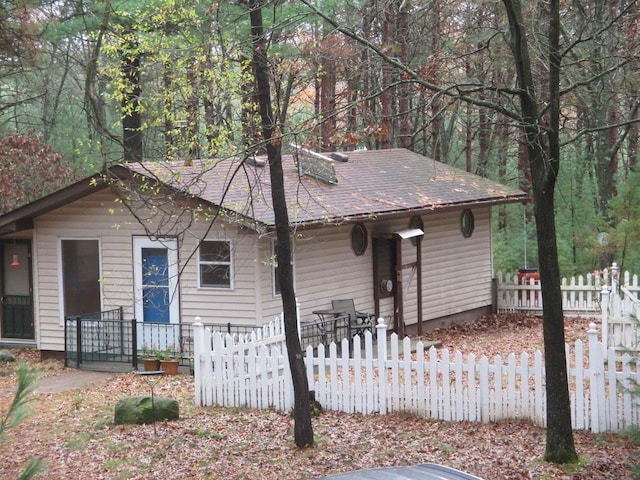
x: 70, y: 380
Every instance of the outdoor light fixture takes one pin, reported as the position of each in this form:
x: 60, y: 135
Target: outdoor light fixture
x: 15, y: 262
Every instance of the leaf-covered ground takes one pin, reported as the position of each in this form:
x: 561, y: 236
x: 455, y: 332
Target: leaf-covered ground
x: 73, y: 431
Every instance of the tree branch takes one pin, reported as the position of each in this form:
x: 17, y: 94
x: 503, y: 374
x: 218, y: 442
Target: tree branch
x: 415, y: 77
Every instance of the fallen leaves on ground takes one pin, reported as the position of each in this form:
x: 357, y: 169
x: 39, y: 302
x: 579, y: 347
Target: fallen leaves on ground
x: 74, y: 433
x: 502, y: 334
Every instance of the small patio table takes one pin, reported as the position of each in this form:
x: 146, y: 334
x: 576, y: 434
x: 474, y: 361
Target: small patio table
x: 326, y: 320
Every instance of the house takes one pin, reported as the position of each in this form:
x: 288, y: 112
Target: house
x: 405, y: 236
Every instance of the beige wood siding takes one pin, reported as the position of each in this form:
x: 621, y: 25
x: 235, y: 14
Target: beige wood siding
x: 327, y: 268
x: 456, y: 270
x: 218, y: 305
x: 99, y: 216
x: 96, y: 217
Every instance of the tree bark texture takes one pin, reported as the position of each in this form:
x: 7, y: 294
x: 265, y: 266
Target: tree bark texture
x: 405, y: 136
x: 303, y: 430
x: 437, y: 123
x: 131, y: 120
x: 328, y: 89
x: 543, y: 149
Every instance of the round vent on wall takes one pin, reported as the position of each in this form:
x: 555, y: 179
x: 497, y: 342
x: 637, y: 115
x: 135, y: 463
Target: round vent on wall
x: 359, y: 239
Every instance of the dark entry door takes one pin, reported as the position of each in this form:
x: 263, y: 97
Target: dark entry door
x: 385, y: 274
x: 17, y: 303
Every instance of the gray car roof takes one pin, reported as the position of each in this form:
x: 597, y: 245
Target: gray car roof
x: 425, y: 471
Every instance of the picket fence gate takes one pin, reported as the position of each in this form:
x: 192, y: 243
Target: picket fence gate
x: 368, y: 376
x: 620, y: 319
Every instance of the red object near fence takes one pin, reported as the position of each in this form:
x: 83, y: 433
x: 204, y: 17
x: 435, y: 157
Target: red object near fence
x: 525, y: 275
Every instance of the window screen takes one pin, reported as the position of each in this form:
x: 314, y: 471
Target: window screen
x: 215, y: 264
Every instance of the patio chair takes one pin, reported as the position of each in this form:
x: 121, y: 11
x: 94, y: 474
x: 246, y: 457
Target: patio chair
x: 359, y: 322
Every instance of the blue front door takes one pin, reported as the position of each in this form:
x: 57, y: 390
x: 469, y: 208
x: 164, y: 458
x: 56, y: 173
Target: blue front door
x: 157, y: 300
x: 156, y: 295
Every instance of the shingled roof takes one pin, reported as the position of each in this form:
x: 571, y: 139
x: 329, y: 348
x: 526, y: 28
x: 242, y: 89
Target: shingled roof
x: 371, y: 184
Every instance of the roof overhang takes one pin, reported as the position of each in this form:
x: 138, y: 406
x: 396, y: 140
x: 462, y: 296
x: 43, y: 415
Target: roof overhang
x: 423, y: 210
x: 22, y: 218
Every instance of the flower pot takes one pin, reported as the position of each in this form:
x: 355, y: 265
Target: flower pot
x: 170, y: 367
x: 151, y: 364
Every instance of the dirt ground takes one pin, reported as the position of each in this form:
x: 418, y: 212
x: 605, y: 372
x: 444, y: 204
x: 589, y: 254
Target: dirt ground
x: 72, y: 430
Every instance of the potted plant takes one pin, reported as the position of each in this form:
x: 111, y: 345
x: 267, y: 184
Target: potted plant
x: 168, y: 362
x: 150, y: 360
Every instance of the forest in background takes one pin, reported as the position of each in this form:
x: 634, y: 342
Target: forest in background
x: 102, y: 81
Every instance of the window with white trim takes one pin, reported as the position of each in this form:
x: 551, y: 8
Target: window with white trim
x: 80, y: 276
x: 215, y: 264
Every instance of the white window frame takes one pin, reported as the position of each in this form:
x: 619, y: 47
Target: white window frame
x: 61, y: 277
x: 230, y: 264
x: 171, y: 244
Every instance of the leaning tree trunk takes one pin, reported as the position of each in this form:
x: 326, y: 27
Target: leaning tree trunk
x: 303, y: 430
x: 544, y: 163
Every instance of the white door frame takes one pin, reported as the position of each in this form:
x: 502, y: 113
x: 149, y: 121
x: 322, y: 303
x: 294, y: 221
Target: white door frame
x: 157, y: 335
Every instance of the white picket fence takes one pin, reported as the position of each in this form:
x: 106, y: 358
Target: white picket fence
x: 385, y: 377
x: 241, y: 370
x: 620, y: 320
x: 579, y: 294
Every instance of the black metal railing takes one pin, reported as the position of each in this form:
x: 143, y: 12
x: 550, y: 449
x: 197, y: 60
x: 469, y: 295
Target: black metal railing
x: 107, y: 337
x: 98, y: 337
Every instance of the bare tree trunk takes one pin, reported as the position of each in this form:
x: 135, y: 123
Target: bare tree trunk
x: 193, y: 120
x: 523, y: 163
x: 483, y: 141
x: 503, y: 133
x: 303, y: 429
x: 437, y: 124
x: 131, y: 120
x: 250, y: 136
x: 468, y: 149
x: 169, y: 134
x: 404, y: 119
x: 370, y: 74
x: 544, y: 163
x: 633, y: 145
x: 386, y: 98
x: 327, y: 92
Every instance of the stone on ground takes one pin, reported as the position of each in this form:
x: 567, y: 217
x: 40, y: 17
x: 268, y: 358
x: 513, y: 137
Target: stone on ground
x: 6, y: 356
x: 138, y: 410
